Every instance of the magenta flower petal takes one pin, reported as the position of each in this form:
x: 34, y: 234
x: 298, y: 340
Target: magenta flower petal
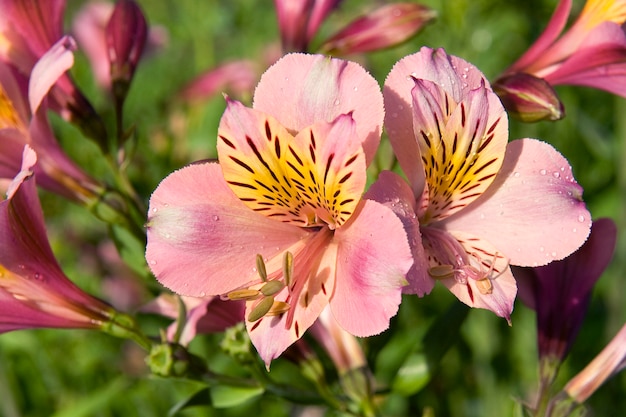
x: 31, y: 281
x: 560, y: 291
x: 300, y: 90
x: 197, y: 227
x: 373, y: 268
x: 548, y: 223
x: 550, y: 34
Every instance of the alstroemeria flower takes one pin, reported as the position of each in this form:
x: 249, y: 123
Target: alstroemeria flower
x: 592, y: 52
x: 560, y: 291
x: 23, y: 120
x: 30, y: 28
x: 34, y: 291
x: 280, y: 221
x: 475, y: 204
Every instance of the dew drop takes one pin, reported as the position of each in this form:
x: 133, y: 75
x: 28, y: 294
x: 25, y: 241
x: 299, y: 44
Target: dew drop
x: 556, y: 175
x: 581, y: 218
x: 466, y: 69
x: 400, y: 107
x: 202, y: 294
x: 541, y: 249
x: 574, y: 230
x: 464, y: 76
x: 553, y: 254
x: 516, y: 174
x: 482, y: 216
x: 216, y: 217
x: 356, y: 89
x: 336, y: 103
x: 153, y: 262
x: 394, y: 115
x: 543, y: 172
x: 154, y: 210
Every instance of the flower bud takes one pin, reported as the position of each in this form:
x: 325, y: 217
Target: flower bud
x: 126, y: 35
x: 384, y: 27
x: 529, y: 98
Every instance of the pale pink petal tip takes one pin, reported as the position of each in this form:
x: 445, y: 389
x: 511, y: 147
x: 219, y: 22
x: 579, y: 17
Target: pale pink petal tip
x: 48, y: 69
x: 29, y: 158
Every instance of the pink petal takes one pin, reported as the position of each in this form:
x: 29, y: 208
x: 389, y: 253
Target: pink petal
x: 202, y: 240
x: 555, y: 27
x: 271, y: 335
x: 393, y: 192
x: 533, y: 212
x: 456, y: 76
x: 373, y: 259
x: 300, y: 90
x: 502, y: 286
x: 52, y: 65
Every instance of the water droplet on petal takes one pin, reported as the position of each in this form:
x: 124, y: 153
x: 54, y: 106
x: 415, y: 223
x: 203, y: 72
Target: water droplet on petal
x: 202, y: 294
x: 464, y: 75
x: 154, y: 210
x: 541, y: 249
x: 574, y: 230
x: 543, y: 172
x: 553, y: 254
x: 153, y: 262
x: 216, y: 217
x: 556, y: 174
x: 394, y: 115
x: 356, y: 88
x: 516, y: 174
x: 336, y: 103
x: 581, y: 218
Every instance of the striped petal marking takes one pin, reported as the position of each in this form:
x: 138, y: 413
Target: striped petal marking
x: 461, y: 145
x: 312, y: 179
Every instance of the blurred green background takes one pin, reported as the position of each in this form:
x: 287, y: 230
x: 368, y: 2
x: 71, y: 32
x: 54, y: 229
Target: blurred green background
x: 489, y: 367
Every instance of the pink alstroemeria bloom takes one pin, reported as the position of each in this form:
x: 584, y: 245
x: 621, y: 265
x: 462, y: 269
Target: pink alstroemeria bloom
x: 34, y: 291
x: 475, y: 204
x: 560, y: 291
x: 592, y: 52
x: 280, y: 221
x: 235, y: 77
x: 28, y: 29
x: 23, y: 120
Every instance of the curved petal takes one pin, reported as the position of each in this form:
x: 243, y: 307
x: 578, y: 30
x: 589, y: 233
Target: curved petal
x: 456, y: 76
x: 393, y: 192
x: 300, y: 90
x: 202, y: 240
x: 462, y: 160
x: 555, y: 27
x: 52, y: 65
x: 533, y: 212
x: 372, y: 261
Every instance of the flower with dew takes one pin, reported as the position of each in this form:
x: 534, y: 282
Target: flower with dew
x: 475, y: 204
x: 280, y: 221
x: 34, y: 291
x: 592, y: 53
x: 28, y: 29
x: 23, y: 120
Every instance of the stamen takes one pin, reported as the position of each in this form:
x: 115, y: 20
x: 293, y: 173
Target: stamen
x: 441, y: 271
x: 261, y: 309
x: 288, y: 268
x: 260, y: 266
x: 272, y: 287
x: 278, y: 308
x: 246, y: 294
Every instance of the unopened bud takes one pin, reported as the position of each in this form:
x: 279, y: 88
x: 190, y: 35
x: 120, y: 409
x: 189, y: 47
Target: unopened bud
x: 529, y: 98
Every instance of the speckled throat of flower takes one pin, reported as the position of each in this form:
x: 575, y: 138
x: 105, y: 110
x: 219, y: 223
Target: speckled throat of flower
x: 294, y: 179
x: 8, y: 115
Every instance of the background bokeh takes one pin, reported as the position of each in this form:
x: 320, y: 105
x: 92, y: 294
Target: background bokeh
x: 490, y: 366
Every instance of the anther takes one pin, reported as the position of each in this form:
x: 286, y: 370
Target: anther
x: 484, y: 286
x: 272, y: 287
x: 441, y: 271
x: 260, y: 266
x: 278, y: 308
x: 261, y: 309
x: 244, y: 295
x: 288, y: 267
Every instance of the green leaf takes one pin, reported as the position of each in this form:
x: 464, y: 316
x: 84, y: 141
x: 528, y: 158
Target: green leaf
x: 199, y: 398
x: 90, y: 405
x: 225, y: 396
x: 413, y: 375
